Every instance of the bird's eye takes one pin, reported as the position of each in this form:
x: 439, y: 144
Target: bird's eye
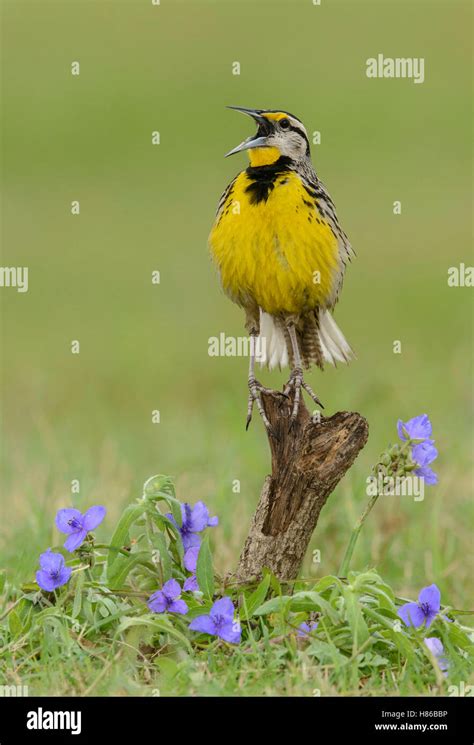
x: 284, y: 123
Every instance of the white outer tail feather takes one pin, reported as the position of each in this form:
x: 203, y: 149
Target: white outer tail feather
x: 274, y: 352
x: 333, y: 343
x: 273, y: 343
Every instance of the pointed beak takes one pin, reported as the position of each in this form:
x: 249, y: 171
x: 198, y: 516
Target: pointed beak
x: 257, y: 140
x: 254, y: 113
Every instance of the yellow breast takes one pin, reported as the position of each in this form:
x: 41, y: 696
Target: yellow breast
x: 276, y: 250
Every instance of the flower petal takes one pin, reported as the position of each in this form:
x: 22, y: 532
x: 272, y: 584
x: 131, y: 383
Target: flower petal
x: 305, y: 629
x: 178, y: 606
x: 51, y: 562
x: 190, y: 558
x: 426, y: 473
x: 431, y: 597
x: 224, y: 608
x: 212, y: 522
x: 436, y: 648
x: 424, y: 453
x: 63, y: 576
x: 93, y: 517
x: 45, y: 581
x: 75, y: 540
x: 171, y: 589
x: 157, y: 603
x: 190, y: 540
x: 400, y: 426
x: 205, y: 624
x: 191, y: 584
x: 230, y: 632
x: 63, y: 518
x: 434, y: 645
x: 411, y: 614
x: 418, y: 428
x: 198, y: 518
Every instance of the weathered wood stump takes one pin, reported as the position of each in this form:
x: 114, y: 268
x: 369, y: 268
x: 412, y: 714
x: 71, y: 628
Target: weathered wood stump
x: 308, y: 461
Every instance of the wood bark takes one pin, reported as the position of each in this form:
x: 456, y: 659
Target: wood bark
x: 308, y: 461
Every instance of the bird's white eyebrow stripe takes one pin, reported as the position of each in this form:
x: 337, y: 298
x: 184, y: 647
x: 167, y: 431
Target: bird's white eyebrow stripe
x: 301, y: 134
x: 300, y: 131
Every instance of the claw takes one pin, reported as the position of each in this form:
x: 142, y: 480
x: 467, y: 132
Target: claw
x: 296, y: 381
x: 255, y: 396
x: 310, y: 392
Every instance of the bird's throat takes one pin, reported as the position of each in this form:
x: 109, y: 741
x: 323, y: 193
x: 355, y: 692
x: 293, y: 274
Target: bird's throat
x: 263, y: 156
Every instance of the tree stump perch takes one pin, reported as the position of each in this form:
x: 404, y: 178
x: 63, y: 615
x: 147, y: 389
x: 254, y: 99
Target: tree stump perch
x: 308, y: 461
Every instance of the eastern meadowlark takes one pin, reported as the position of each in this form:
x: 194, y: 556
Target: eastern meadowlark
x: 281, y: 254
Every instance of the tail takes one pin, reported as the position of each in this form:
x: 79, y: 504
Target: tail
x: 320, y: 340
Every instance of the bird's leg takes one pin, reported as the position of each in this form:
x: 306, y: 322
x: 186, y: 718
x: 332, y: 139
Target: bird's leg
x: 296, y: 377
x: 255, y: 388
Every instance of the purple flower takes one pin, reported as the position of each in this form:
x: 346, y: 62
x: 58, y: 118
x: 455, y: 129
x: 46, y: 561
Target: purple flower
x: 305, y: 629
x: 76, y: 525
x: 423, y: 454
x: 437, y: 650
x: 425, y: 610
x: 168, y: 599
x: 53, y: 572
x: 190, y: 563
x: 219, y: 622
x: 418, y: 428
x: 194, y: 520
x: 191, y: 584
x: 190, y: 558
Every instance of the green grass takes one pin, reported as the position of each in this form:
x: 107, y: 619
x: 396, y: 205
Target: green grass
x: 143, y: 347
x: 95, y: 634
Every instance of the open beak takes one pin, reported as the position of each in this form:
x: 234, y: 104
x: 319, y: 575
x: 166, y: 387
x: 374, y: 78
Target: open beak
x: 257, y: 140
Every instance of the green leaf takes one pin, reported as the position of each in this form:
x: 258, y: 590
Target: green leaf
x: 312, y: 600
x: 355, y: 618
x: 162, y: 488
x: 14, y: 624
x: 275, y: 584
x: 121, y: 536
x: 201, y: 609
x: 383, y: 593
x: 122, y: 568
x: 158, y: 542
x: 163, y: 523
x: 326, y: 582
x: 77, y: 605
x: 399, y: 638
x: 157, y: 485
x: 274, y: 605
x: 457, y: 636
x: 256, y: 599
x: 158, y: 624
x: 204, y: 569
x: 326, y: 653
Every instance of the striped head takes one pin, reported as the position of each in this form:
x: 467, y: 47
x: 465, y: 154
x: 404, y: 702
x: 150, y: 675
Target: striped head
x: 278, y: 134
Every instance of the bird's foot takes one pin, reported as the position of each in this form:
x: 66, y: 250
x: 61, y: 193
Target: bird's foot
x: 255, y: 396
x: 297, y: 382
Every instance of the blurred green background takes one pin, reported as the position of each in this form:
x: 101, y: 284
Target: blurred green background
x: 145, y: 208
